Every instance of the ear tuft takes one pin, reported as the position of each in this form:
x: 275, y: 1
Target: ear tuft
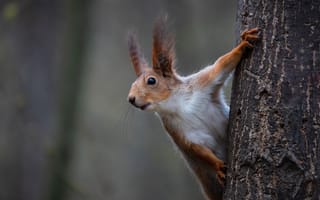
x: 163, y: 51
x: 137, y: 58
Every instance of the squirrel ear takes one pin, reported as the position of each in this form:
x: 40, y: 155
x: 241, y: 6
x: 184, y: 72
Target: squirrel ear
x: 137, y: 59
x: 163, y: 52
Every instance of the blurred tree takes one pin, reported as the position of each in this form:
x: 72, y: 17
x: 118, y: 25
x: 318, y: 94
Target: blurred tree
x: 29, y: 44
x: 38, y: 97
x: 75, y: 44
x: 275, y: 112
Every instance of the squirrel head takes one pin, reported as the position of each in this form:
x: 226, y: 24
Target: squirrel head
x: 153, y: 84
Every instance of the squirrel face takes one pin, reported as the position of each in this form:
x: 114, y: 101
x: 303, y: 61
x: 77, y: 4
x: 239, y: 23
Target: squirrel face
x: 149, y: 90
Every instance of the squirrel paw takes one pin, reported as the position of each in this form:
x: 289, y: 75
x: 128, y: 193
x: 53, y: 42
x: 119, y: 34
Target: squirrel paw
x: 249, y: 36
x: 221, y: 174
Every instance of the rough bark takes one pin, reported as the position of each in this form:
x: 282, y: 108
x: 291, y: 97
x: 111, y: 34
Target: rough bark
x: 274, y: 130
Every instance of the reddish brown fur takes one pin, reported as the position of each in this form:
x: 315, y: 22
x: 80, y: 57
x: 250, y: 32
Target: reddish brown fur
x: 136, y: 56
x: 147, y: 93
x: 227, y: 62
x: 203, y: 157
x: 163, y: 52
x: 212, y: 191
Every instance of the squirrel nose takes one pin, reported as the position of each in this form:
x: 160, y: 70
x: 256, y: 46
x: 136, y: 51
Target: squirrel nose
x: 132, y: 99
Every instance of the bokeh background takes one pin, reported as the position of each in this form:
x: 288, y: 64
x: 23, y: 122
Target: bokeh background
x: 66, y: 130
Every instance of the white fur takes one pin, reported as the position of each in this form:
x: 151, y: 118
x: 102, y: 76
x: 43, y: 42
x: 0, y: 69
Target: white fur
x: 193, y: 113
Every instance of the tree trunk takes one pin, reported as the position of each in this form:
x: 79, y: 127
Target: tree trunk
x: 274, y: 130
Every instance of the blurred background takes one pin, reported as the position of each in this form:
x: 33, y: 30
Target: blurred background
x: 66, y: 130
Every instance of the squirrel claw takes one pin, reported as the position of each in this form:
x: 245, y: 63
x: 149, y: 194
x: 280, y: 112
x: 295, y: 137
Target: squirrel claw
x: 221, y: 177
x: 250, y: 35
x: 221, y: 174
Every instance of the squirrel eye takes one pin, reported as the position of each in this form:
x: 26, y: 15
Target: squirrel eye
x: 151, y: 81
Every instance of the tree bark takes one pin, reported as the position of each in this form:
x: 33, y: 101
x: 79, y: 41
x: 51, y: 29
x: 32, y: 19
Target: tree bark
x: 274, y: 129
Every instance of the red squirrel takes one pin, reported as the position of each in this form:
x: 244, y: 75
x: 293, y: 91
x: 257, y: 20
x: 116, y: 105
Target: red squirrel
x: 192, y: 109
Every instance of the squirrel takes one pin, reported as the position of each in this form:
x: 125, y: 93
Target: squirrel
x: 192, y: 109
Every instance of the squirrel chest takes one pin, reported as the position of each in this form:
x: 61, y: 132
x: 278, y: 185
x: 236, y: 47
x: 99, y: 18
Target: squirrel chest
x: 195, y: 117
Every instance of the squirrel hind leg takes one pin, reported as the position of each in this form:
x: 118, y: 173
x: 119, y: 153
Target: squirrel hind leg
x: 210, y: 185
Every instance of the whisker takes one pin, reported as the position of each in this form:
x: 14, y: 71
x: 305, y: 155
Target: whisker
x: 126, y: 120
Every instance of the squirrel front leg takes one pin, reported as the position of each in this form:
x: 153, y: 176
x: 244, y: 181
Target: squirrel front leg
x: 219, y: 71
x: 208, y: 157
